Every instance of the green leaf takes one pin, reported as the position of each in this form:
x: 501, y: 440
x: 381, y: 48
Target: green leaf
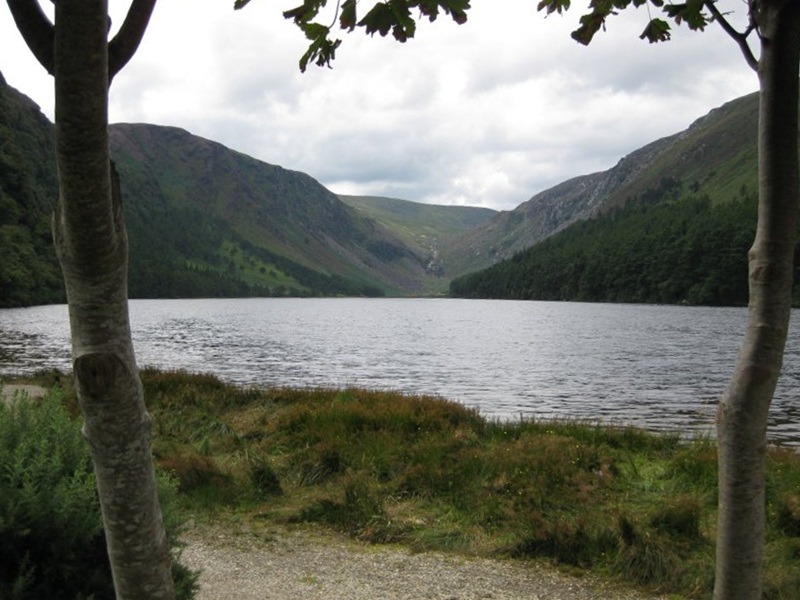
x: 553, y: 6
x: 404, y: 27
x: 429, y: 8
x: 457, y: 9
x: 590, y: 24
x: 657, y: 30
x: 380, y: 19
x: 240, y: 4
x: 691, y: 13
x: 306, y: 12
x: 321, y: 51
x: 348, y: 17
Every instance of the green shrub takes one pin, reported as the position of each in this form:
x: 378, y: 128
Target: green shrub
x: 51, y: 532
x: 695, y: 465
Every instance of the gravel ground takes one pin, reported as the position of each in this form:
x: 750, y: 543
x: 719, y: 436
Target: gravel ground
x: 34, y: 391
x: 298, y: 564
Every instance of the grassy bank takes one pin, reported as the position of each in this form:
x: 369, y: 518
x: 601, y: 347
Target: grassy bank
x: 432, y: 474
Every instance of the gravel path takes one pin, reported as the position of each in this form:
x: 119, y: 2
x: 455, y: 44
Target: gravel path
x: 298, y: 564
x: 34, y: 391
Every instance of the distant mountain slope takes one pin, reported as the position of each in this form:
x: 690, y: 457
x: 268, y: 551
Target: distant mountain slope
x: 271, y: 226
x: 424, y: 227
x: 687, y: 250
x: 29, y: 272
x: 203, y: 220
x: 716, y: 156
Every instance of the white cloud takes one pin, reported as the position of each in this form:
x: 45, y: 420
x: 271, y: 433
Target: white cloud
x: 487, y: 113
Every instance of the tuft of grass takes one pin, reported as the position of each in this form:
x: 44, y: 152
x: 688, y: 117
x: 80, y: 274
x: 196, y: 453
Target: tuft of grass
x: 646, y: 557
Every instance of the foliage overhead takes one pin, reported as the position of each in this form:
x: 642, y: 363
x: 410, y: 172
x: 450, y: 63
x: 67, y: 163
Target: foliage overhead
x: 389, y: 16
x: 396, y: 16
x: 694, y: 13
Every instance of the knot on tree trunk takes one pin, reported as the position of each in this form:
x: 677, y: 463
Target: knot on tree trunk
x: 98, y: 373
x: 111, y: 400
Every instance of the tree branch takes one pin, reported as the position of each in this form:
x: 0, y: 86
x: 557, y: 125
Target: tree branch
x: 124, y: 45
x: 36, y: 30
x: 739, y: 37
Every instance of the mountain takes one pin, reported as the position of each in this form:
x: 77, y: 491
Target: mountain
x: 716, y: 155
x: 278, y: 231
x: 670, y: 223
x: 684, y: 250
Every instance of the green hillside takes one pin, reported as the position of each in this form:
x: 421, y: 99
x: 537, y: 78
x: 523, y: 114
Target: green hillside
x: 687, y: 250
x: 670, y: 223
x: 203, y: 221
x: 427, y: 228
x: 419, y: 225
x: 29, y: 272
x: 246, y: 226
x: 716, y: 156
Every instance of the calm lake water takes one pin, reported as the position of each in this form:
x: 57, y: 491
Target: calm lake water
x: 659, y: 367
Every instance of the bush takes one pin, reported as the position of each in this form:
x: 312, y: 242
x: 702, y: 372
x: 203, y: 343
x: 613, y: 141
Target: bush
x: 52, y: 543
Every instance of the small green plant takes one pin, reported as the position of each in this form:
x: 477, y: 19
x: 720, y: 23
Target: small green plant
x: 51, y: 529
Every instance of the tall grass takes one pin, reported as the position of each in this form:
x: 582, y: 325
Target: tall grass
x: 433, y: 474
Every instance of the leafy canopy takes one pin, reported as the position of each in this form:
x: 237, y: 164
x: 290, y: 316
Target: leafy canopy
x: 389, y: 16
x: 693, y: 13
x: 396, y: 16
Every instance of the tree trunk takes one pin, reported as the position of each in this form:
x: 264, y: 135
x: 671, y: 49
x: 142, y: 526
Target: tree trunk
x: 742, y: 414
x: 92, y: 248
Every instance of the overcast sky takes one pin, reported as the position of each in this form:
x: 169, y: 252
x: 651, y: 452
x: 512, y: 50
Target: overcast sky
x: 484, y: 114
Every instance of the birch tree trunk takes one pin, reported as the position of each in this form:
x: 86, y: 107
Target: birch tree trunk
x: 742, y: 414
x: 92, y: 247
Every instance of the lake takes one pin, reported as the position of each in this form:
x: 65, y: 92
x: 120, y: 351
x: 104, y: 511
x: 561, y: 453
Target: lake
x: 658, y: 367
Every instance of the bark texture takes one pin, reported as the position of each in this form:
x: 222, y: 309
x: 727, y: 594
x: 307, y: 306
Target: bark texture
x: 742, y: 415
x: 92, y: 247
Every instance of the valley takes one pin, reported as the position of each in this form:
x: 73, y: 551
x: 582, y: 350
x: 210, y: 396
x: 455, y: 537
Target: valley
x: 207, y: 221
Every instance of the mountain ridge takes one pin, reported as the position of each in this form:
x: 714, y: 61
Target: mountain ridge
x: 716, y: 154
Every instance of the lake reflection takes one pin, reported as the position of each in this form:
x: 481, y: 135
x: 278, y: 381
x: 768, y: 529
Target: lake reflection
x: 659, y: 367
